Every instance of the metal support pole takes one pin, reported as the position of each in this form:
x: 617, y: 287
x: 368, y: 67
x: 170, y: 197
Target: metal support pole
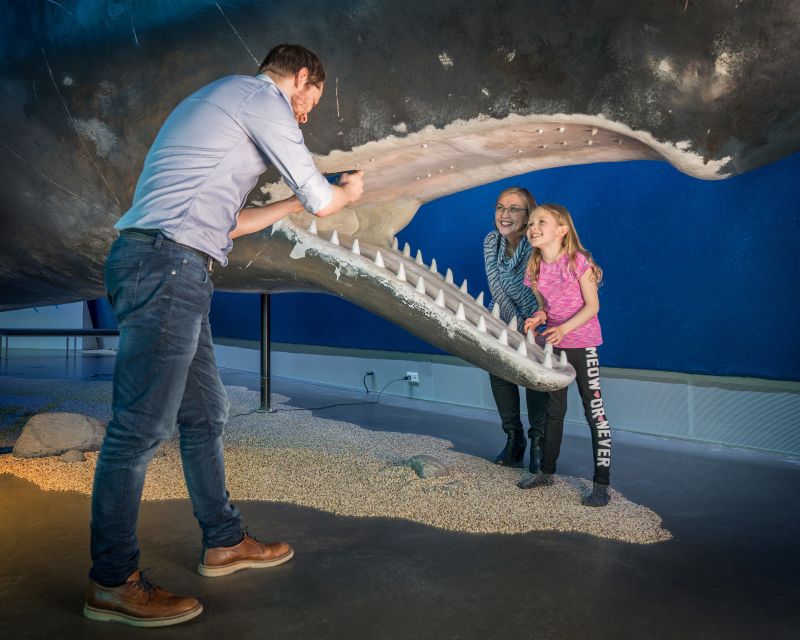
x: 266, y: 401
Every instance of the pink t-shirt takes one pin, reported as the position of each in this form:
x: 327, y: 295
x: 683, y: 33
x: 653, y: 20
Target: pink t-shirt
x: 562, y: 297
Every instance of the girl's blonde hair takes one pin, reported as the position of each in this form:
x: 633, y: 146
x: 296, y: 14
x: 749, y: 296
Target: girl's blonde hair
x: 570, y: 244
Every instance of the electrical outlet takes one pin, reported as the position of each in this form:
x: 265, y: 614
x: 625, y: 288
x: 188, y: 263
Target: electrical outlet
x: 412, y: 377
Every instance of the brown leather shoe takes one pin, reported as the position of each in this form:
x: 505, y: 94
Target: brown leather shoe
x: 248, y: 554
x: 138, y: 603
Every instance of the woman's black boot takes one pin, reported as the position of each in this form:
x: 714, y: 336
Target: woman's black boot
x: 535, y: 463
x: 513, y: 453
x: 537, y: 440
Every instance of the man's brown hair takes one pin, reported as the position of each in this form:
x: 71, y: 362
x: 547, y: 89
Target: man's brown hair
x: 288, y: 59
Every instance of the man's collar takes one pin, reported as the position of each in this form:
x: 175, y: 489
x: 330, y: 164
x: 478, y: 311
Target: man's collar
x: 265, y: 77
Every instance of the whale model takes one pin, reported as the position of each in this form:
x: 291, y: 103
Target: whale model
x: 428, y: 98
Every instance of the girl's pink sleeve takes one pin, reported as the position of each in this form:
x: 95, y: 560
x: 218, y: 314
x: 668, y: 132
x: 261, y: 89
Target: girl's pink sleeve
x: 581, y: 264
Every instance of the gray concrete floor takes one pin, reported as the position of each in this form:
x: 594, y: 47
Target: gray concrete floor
x: 731, y: 570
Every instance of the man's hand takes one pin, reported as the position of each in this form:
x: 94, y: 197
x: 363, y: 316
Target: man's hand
x: 349, y: 190
x: 538, y: 318
x: 353, y: 184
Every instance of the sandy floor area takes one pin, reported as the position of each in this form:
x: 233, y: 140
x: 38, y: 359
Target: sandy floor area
x: 295, y: 457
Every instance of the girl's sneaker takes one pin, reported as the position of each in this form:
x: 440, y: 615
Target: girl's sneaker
x: 598, y: 497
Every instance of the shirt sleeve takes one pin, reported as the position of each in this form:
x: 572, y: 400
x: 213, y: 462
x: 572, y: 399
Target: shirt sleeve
x: 581, y: 264
x: 267, y: 119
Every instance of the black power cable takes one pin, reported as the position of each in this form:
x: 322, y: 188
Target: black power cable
x: 326, y: 406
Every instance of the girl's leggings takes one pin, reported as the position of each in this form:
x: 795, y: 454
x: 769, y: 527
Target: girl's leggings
x: 587, y: 369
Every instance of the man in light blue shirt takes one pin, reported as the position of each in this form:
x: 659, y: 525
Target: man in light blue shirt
x: 211, y: 151
x: 186, y: 210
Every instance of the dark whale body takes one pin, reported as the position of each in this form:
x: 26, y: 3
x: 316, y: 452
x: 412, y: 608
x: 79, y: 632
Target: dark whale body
x: 428, y: 97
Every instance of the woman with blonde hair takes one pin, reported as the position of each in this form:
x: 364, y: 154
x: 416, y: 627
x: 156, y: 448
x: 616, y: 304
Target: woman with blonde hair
x: 506, y: 252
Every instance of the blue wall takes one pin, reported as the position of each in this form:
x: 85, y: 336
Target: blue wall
x: 700, y: 276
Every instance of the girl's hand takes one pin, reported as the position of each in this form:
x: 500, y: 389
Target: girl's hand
x: 540, y: 317
x: 554, y: 335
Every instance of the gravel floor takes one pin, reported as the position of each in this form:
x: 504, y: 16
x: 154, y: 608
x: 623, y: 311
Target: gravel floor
x: 292, y: 456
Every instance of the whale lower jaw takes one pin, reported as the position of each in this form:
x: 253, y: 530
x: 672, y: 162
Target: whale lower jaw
x: 399, y: 287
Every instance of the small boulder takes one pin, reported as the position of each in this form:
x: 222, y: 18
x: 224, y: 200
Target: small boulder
x: 51, y: 434
x: 428, y: 466
x: 73, y: 455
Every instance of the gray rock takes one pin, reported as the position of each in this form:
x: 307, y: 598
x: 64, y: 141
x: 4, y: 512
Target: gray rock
x: 428, y: 466
x: 51, y: 434
x: 73, y: 455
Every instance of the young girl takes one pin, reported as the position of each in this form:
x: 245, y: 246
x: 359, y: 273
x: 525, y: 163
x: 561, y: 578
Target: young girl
x: 563, y: 273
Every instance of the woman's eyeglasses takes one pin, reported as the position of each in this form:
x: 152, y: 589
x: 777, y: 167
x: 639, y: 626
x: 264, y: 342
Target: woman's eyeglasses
x: 513, y: 210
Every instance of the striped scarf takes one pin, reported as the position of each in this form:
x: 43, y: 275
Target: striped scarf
x: 505, y: 275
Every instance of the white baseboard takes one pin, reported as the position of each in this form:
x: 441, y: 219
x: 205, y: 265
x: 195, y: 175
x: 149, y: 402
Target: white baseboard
x: 743, y: 412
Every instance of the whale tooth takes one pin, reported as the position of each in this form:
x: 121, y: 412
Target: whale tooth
x: 356, y: 249
x: 594, y: 131
x: 407, y: 250
x: 335, y: 237
x: 460, y: 312
x: 522, y: 349
x: 312, y: 228
x: 401, y: 273
x: 448, y: 278
x: 481, y: 325
x: 418, y: 259
x: 530, y: 337
x: 433, y: 266
x: 563, y: 359
x: 463, y: 288
x: 440, y: 298
x: 395, y: 244
x: 420, y: 285
x: 560, y: 129
x: 479, y: 299
x: 512, y: 324
x: 503, y: 338
x: 379, y: 260
x: 548, y: 356
x: 496, y: 311
x: 540, y: 131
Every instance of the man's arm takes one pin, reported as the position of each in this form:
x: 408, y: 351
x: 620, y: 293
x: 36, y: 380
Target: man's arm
x: 270, y: 124
x: 254, y: 219
x: 257, y: 218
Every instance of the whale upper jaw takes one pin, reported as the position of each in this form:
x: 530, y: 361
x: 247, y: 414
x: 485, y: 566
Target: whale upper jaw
x: 402, y: 173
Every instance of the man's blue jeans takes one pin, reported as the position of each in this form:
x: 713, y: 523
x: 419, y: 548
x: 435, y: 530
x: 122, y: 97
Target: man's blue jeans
x: 164, y: 373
